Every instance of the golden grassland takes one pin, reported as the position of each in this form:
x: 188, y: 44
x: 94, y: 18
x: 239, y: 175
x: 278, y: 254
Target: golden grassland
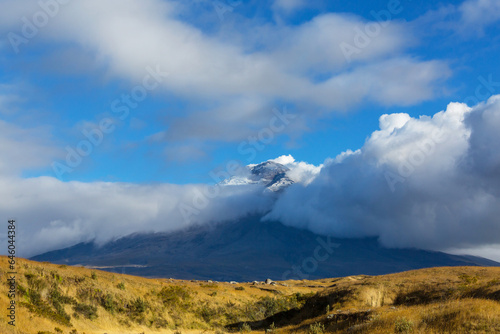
x: 63, y: 299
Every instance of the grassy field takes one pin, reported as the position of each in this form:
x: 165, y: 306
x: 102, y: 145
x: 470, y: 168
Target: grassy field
x: 62, y: 299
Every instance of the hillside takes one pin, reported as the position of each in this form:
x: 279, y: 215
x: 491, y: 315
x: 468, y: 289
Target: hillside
x: 249, y: 249
x: 64, y: 299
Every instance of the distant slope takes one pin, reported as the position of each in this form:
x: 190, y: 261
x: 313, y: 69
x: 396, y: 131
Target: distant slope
x: 251, y: 250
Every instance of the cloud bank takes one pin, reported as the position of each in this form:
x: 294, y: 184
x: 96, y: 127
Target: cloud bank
x: 52, y: 214
x: 428, y: 182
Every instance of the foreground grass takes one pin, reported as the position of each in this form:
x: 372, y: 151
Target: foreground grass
x: 61, y: 299
x: 57, y: 298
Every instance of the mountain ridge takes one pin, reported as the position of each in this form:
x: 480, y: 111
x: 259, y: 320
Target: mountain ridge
x: 250, y: 250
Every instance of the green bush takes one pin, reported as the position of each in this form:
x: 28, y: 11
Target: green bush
x: 316, y: 328
x: 139, y: 305
x: 56, y: 297
x: 108, y: 303
x: 136, y: 310
x: 121, y: 286
x: 88, y: 311
x: 43, y: 309
x: 468, y: 279
x: 159, y: 322
x: 268, y: 306
x: 210, y: 313
x: 174, y: 295
x: 403, y: 326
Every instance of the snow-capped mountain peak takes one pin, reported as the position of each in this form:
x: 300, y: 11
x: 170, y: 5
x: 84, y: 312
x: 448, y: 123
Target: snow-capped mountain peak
x: 271, y: 174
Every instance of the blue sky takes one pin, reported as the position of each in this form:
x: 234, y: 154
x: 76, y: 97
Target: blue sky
x: 64, y: 83
x: 163, y: 92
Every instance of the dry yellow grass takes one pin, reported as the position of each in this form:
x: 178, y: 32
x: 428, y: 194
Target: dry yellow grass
x: 178, y: 315
x: 437, y: 300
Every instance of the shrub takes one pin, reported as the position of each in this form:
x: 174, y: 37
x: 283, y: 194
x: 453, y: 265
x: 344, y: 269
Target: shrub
x: 174, y: 295
x: 268, y: 306
x: 39, y: 306
x: 121, y: 286
x: 468, y: 279
x: 93, y: 275
x: 108, y: 303
x: 57, y: 298
x: 403, y: 326
x: 159, y: 323
x: 139, y: 305
x: 136, y: 309
x: 316, y: 328
x: 209, y: 313
x: 240, y: 288
x: 44, y: 310
x: 79, y: 279
x: 245, y: 328
x: 56, y: 276
x: 34, y: 283
x: 88, y: 311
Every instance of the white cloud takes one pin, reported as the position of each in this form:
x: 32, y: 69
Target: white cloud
x: 428, y: 182
x: 477, y: 14
x: 468, y: 20
x: 315, y: 46
x: 490, y: 252
x: 52, y: 214
x: 301, y: 171
x: 241, y: 79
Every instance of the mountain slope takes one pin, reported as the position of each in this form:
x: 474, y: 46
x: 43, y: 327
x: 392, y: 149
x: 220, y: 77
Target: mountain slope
x: 250, y: 250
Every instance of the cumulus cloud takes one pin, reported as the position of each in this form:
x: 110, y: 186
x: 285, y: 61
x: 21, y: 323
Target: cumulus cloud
x: 428, y: 182
x: 240, y: 79
x: 300, y: 172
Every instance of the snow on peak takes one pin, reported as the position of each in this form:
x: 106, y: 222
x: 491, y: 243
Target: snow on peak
x: 276, y: 174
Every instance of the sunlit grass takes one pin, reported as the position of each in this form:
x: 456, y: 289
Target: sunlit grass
x: 63, y: 299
